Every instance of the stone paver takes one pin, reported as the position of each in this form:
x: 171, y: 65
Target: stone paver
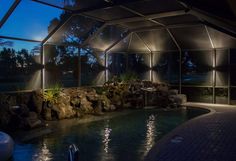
x: 210, y: 137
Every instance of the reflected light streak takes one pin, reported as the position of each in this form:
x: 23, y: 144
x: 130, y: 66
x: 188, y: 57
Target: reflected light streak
x: 100, y: 58
x: 35, y: 81
x: 156, y: 58
x: 154, y: 36
x: 220, y: 77
x: 100, y: 78
x: 43, y: 155
x: 147, y: 60
x: 106, y: 138
x: 151, y: 133
x: 101, y: 46
x: 37, y: 58
x: 219, y: 60
x: 155, y: 77
x: 201, y: 43
x: 147, y: 75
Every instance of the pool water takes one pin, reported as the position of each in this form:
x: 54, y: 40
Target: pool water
x: 122, y: 138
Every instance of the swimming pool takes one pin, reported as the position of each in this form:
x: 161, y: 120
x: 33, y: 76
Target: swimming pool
x: 123, y: 138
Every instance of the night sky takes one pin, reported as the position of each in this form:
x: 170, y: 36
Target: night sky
x: 30, y: 20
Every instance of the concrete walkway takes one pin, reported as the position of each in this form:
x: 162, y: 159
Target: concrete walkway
x: 210, y: 137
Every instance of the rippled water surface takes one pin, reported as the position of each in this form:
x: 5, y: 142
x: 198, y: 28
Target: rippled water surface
x: 122, y: 138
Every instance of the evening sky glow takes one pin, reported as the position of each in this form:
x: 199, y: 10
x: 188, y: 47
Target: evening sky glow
x: 32, y: 20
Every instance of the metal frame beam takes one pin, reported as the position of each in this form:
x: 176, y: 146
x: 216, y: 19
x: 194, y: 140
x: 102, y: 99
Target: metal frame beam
x: 220, y: 29
x: 164, y: 27
x: 58, y: 27
x: 142, y: 17
x: 171, y: 35
x: 211, y: 20
x: 106, y: 66
x: 145, y: 44
x: 214, y: 76
x: 97, y: 7
x: 93, y: 35
x: 19, y: 39
x: 156, y: 22
x: 51, y: 5
x: 91, y: 17
x: 43, y: 69
x: 209, y: 36
x: 229, y: 79
x: 9, y: 12
x: 115, y: 43
x: 130, y: 40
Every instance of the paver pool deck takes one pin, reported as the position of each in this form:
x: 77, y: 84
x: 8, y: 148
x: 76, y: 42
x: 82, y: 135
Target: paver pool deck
x: 210, y: 137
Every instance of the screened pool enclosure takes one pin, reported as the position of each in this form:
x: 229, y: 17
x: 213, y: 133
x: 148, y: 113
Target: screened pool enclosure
x: 191, y: 46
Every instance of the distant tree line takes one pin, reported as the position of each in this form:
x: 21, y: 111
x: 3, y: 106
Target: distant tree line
x: 15, y: 65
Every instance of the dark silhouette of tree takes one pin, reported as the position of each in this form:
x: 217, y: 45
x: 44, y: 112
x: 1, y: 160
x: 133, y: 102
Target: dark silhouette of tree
x: 7, y: 63
x: 63, y: 59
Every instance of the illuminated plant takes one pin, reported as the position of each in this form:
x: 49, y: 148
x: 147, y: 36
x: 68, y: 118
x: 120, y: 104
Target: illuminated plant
x: 52, y: 94
x: 128, y: 77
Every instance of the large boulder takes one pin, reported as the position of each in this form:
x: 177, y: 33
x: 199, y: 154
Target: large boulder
x: 37, y: 101
x: 3, y: 99
x: 173, y: 92
x: 5, y: 116
x: 75, y: 102
x: 85, y: 105
x: 178, y: 99
x: 47, y: 114
x: 23, y: 98
x: 63, y: 108
x: 32, y: 121
x: 106, y: 103
x: 64, y: 111
x: 98, y: 108
x: 18, y: 114
x: 11, y: 100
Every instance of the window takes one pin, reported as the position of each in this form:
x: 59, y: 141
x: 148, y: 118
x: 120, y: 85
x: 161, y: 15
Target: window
x: 92, y: 67
x: 166, y: 67
x: 61, y: 66
x: 140, y: 65
x: 20, y: 65
x: 197, y: 68
x: 107, y: 37
x: 197, y: 94
x: 116, y: 64
x: 221, y: 95
x: 221, y: 68
x: 75, y: 30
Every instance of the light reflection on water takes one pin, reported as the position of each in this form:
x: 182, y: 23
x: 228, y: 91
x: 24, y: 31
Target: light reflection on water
x: 43, y: 155
x: 106, y: 152
x: 122, y: 138
x: 150, y: 133
x: 106, y: 137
